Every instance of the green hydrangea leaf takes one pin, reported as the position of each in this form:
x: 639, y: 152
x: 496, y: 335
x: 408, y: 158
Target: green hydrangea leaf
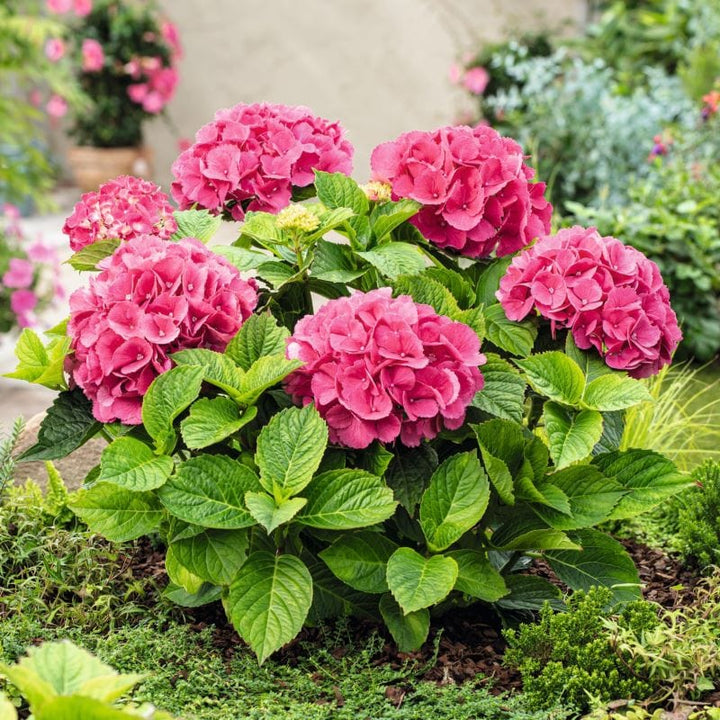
x: 211, y: 420
x: 409, y: 630
x: 503, y: 394
x: 336, y: 190
x: 88, y: 257
x: 263, y: 374
x: 386, y: 217
x: 200, y: 224
x: 290, y: 449
x: 360, y: 560
x: 346, y: 499
x: 394, y: 259
x: 571, y: 435
x: 40, y: 364
x: 269, y: 513
x: 615, y: 392
x: 269, y: 601
x: 260, y: 335
x: 131, y: 464
x: 209, y: 490
x: 335, y: 263
x: 213, y: 555
x: 517, y: 338
x: 218, y: 369
x: 477, y: 577
x: 116, y: 513
x: 455, y: 500
x: 417, y: 582
x: 554, y: 375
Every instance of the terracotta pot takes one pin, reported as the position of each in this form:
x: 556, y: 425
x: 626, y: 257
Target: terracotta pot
x: 93, y: 166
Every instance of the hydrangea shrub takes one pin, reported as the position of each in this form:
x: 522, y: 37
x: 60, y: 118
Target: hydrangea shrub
x: 362, y: 427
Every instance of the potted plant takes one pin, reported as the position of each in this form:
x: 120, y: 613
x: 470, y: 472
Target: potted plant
x: 125, y: 55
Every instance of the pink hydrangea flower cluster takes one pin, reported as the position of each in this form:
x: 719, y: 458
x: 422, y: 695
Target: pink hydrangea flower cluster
x: 250, y: 157
x: 610, y: 295
x: 474, y: 187
x: 382, y: 368
x: 122, y: 208
x: 152, y: 298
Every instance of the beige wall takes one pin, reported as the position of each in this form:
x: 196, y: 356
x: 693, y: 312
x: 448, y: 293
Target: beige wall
x: 378, y: 66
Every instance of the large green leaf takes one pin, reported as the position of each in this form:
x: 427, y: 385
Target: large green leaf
x: 503, y: 439
x: 131, y: 464
x: 530, y: 592
x: 503, y: 393
x: 269, y: 513
x: 592, y: 497
x: 335, y: 263
x: 209, y: 490
x: 168, y: 395
x: 259, y: 336
x: 417, y: 582
x: 571, y: 435
x: 208, y: 593
x: 213, y: 555
x: 489, y: 282
x: 116, y: 513
x: 336, y: 190
x: 7, y: 709
x: 200, y: 224
x: 615, y: 392
x: 211, y: 420
x: 455, y: 500
x: 68, y: 424
x: 517, y: 338
x: 346, y: 499
x: 360, y: 560
x: 647, y: 477
x: 40, y: 364
x: 602, y: 561
x: 269, y: 601
x: 218, y: 369
x: 87, y: 258
x: 499, y: 474
x: 477, y: 577
x: 263, y: 374
x: 409, y: 630
x: 554, y: 375
x: 290, y: 449
x: 335, y: 599
x: 591, y: 364
x: 388, y: 216
x: 242, y: 258
x: 409, y: 474
x: 395, y: 258
x: 423, y: 289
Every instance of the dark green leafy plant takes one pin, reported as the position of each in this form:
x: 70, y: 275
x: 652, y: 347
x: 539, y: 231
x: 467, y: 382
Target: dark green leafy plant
x: 567, y: 656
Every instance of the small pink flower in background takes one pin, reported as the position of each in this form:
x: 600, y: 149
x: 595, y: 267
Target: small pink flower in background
x: 39, y: 252
x: 93, y: 56
x: 54, y: 49
x: 132, y: 68
x: 19, y: 274
x: 138, y: 92
x: 152, y: 298
x: 11, y: 212
x: 22, y: 303
x: 56, y: 106
x: 35, y: 97
x: 475, y: 187
x: 609, y: 295
x: 250, y: 157
x: 59, y: 7
x: 171, y: 36
x: 475, y: 80
x: 454, y: 73
x: 121, y: 208
x: 82, y: 8
x: 379, y: 368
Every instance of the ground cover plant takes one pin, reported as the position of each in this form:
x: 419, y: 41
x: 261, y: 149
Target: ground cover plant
x: 362, y: 456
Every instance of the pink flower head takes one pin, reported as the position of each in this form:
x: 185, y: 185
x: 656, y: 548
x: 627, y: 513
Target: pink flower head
x: 22, y: 303
x: 251, y: 156
x: 473, y: 184
x: 379, y: 368
x: 93, y: 56
x: 170, y: 34
x: 609, y: 295
x: 475, y: 80
x: 54, y: 49
x: 82, y: 8
x: 56, y: 106
x: 59, y: 7
x: 152, y: 298
x: 19, y: 274
x: 122, y: 208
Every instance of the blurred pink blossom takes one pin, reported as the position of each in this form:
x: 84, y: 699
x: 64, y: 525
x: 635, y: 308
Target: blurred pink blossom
x: 54, y: 49
x: 93, y: 56
x: 58, y: 7
x: 475, y: 80
x: 56, y: 106
x: 82, y: 8
x: 19, y: 274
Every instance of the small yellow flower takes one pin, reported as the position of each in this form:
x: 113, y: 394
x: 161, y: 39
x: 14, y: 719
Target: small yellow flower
x: 378, y: 192
x: 297, y: 217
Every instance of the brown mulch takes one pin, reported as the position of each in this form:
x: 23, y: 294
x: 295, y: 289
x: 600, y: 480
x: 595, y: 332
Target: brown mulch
x: 470, y: 642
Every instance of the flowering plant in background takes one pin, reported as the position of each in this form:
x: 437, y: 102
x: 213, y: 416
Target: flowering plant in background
x: 29, y: 274
x: 250, y: 157
x: 121, y: 209
x: 327, y: 438
x: 474, y: 187
x: 125, y: 55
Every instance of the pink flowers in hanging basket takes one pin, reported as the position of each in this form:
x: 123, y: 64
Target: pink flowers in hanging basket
x: 382, y: 368
x: 251, y: 156
x: 474, y: 187
x: 122, y: 208
x: 151, y: 299
x: 610, y: 296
